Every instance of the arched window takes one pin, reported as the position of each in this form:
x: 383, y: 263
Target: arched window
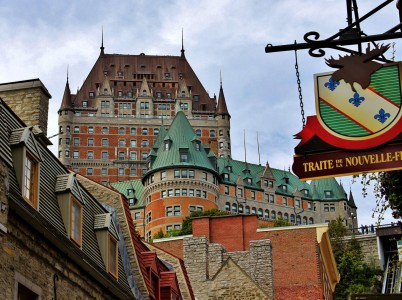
x: 279, y: 215
x: 198, y: 132
x: 304, y: 220
x: 227, y: 206
x: 273, y: 215
x: 247, y: 210
x: 240, y: 208
x: 260, y: 213
x: 311, y: 221
x: 253, y: 210
x: 292, y: 218
x: 286, y: 217
x: 234, y: 207
x: 266, y: 214
x: 298, y: 220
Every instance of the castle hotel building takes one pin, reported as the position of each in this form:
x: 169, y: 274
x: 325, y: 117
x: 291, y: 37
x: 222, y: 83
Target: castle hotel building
x: 145, y: 125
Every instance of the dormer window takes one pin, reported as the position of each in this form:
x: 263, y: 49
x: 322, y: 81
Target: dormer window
x: 225, y: 176
x: 167, y: 75
x: 76, y: 222
x: 30, y: 181
x: 328, y: 194
x: 119, y: 73
x: 158, y: 95
x: 284, y: 188
x: 112, y: 257
x: 229, y: 168
x: 306, y: 193
x: 144, y: 92
x: 249, y: 181
x: 184, y: 155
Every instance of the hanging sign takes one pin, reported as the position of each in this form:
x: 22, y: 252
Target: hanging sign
x: 358, y: 117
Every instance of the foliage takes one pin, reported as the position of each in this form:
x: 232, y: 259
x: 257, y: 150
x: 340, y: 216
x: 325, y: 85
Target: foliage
x: 387, y: 192
x: 356, y: 275
x: 158, y: 235
x: 280, y: 222
x: 186, y: 227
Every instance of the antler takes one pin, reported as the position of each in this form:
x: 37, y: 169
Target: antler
x: 336, y: 63
x: 376, y: 52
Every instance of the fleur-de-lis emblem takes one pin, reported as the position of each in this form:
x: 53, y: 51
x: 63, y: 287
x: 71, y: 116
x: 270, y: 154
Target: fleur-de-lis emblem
x: 356, y: 100
x: 331, y: 84
x: 382, y: 116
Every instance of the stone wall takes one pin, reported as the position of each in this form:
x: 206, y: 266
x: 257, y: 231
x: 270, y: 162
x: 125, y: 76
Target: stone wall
x: 216, y: 274
x: 27, y: 258
x: 29, y: 100
x: 368, y: 243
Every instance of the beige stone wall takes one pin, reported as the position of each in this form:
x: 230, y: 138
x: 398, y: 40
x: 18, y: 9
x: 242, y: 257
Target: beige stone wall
x: 28, y: 258
x: 216, y: 274
x: 30, y: 104
x: 368, y: 243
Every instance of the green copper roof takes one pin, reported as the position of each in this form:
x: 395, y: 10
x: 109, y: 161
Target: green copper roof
x: 323, y: 186
x: 160, y: 137
x: 180, y: 137
x: 244, y: 170
x: 351, y: 200
x: 125, y: 186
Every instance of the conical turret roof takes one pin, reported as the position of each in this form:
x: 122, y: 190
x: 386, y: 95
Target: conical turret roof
x: 66, y: 102
x: 181, y: 140
x: 222, y: 108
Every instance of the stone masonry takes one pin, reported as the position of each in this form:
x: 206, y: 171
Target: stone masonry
x: 214, y: 273
x: 29, y: 99
x: 27, y: 258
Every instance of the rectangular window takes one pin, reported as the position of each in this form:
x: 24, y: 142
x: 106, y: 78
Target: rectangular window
x: 105, y: 130
x: 271, y: 198
x: 104, y: 154
x: 297, y: 203
x: 252, y: 195
x: 30, y: 182
x: 133, y: 155
x: 77, y: 129
x: 163, y: 194
x: 133, y: 143
x: 226, y: 190
x: 121, y: 172
x: 90, y: 142
x: 113, y: 255
x: 105, y: 142
x: 90, y: 129
x: 184, y: 192
x: 163, y: 175
x: 90, y: 171
x: 76, y: 141
x: 198, y: 193
x: 191, y: 174
x: 76, y: 222
x: 176, y: 174
x: 284, y: 201
x: 133, y: 171
x: 121, y: 155
x: 90, y: 154
x: 183, y: 173
x: 239, y: 192
x: 204, y: 194
x: 332, y: 208
x: 183, y: 156
x: 76, y: 154
x: 177, y: 210
x: 326, y: 208
x: 204, y: 176
x: 104, y: 171
x: 169, y: 211
x: 144, y: 155
x: 177, y: 192
x: 170, y: 193
x: 191, y: 192
x: 137, y: 216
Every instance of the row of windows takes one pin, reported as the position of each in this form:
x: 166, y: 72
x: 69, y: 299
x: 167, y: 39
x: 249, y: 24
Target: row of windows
x: 105, y: 155
x: 105, y: 130
x: 120, y: 172
x: 329, y: 207
x: 267, y: 214
x: 104, y: 142
x: 183, y: 193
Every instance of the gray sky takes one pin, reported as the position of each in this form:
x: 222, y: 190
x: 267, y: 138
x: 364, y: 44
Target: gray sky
x: 40, y: 38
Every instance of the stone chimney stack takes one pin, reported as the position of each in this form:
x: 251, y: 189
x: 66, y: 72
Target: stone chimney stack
x: 29, y: 99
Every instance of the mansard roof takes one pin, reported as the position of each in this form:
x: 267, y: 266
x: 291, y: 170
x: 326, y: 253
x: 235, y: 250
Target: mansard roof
x: 47, y: 217
x: 324, y: 185
x: 181, y: 136
x: 126, y: 73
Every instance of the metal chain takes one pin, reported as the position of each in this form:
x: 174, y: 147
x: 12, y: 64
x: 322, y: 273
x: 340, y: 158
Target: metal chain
x: 300, y: 90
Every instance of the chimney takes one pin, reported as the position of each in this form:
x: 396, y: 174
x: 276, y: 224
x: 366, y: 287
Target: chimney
x: 29, y: 99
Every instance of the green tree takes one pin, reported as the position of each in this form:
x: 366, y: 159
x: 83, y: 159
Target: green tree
x: 356, y: 275
x: 387, y: 192
x: 186, y: 227
x: 280, y: 222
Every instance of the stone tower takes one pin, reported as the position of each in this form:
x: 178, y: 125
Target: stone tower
x: 222, y: 117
